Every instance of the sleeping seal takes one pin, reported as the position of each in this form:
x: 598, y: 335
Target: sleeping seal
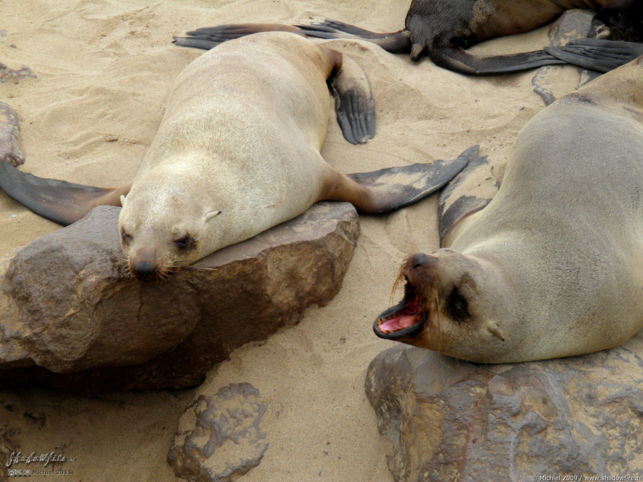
x: 553, y: 265
x: 442, y: 30
x: 238, y: 152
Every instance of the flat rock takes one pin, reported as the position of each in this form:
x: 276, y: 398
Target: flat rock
x: 72, y: 318
x: 571, y: 25
x: 455, y: 420
x: 219, y: 436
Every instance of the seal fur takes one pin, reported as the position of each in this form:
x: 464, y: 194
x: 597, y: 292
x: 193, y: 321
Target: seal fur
x: 552, y: 266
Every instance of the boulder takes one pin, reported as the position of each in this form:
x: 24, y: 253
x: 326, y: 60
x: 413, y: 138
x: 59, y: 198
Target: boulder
x: 72, y: 318
x: 219, y: 436
x: 546, y: 420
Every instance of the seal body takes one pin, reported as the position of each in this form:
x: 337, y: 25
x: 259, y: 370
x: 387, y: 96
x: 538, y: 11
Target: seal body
x: 552, y: 266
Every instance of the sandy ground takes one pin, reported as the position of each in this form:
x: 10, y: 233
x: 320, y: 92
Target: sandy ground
x: 104, y: 69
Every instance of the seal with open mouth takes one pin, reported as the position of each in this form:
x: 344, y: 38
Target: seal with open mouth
x: 553, y: 265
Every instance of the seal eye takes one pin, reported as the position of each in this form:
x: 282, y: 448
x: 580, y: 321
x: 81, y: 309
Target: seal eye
x: 457, y: 306
x: 125, y: 238
x: 185, y: 243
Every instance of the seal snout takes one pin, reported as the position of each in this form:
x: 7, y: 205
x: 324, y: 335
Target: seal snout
x: 145, y: 270
x: 419, y: 266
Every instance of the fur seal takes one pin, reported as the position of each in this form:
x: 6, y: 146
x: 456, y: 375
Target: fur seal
x: 238, y: 152
x: 552, y: 266
x: 443, y: 30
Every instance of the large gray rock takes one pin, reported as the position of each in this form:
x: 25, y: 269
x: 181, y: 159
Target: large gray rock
x: 219, y: 436
x: 454, y: 420
x: 72, y: 318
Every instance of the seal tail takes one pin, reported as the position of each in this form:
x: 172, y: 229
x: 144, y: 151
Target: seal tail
x: 601, y: 55
x: 209, y: 37
x: 59, y: 201
x: 468, y: 192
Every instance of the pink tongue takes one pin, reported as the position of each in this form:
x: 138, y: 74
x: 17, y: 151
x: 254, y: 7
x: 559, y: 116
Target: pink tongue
x: 397, y: 324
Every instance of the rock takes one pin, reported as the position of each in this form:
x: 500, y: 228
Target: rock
x: 10, y: 140
x: 11, y: 75
x: 573, y: 24
x: 454, y: 420
x: 73, y: 319
x: 219, y: 436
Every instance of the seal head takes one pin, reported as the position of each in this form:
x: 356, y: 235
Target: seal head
x: 447, y: 305
x: 163, y: 229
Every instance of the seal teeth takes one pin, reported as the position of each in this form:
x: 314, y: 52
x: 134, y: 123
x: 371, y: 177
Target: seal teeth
x: 406, y: 315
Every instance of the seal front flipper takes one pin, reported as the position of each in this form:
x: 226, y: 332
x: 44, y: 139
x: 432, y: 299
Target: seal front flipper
x: 460, y: 61
x: 468, y: 192
x: 386, y: 190
x: 207, y: 38
x: 601, y: 55
x: 354, y: 104
x: 59, y: 201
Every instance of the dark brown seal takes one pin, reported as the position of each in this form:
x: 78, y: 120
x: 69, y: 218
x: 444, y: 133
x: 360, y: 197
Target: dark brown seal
x: 442, y: 30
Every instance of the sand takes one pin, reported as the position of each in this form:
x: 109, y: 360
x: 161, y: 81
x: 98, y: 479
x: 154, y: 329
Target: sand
x: 104, y: 69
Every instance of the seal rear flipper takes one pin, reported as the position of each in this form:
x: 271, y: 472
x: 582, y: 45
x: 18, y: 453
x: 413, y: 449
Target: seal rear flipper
x: 460, y: 61
x: 601, y: 55
x: 354, y: 104
x: 395, y: 42
x: 207, y: 38
x: 59, y: 201
x: 396, y: 187
x: 468, y: 192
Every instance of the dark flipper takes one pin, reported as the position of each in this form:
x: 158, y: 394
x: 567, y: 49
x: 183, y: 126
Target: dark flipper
x: 397, y: 187
x: 335, y: 27
x: 209, y: 37
x: 58, y: 201
x: 354, y: 104
x: 460, y: 61
x: 470, y: 191
x: 601, y: 55
x: 394, y: 42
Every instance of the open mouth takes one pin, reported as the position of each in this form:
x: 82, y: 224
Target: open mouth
x: 405, y: 319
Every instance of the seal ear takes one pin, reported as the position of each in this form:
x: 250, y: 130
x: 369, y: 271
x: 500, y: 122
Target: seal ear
x: 494, y: 329
x: 209, y: 215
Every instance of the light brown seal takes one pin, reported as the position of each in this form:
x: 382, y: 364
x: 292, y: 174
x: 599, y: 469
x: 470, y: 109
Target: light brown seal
x: 442, y: 30
x: 553, y: 265
x: 237, y: 152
